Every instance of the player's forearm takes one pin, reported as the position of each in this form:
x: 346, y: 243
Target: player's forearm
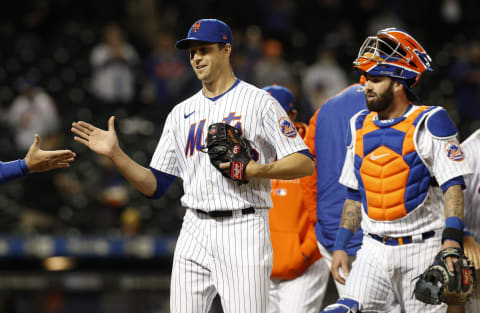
x: 351, y: 215
x: 140, y: 177
x: 453, y: 233
x: 454, y: 202
x: 292, y: 166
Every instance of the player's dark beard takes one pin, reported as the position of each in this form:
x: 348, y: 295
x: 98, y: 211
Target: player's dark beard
x: 382, y: 101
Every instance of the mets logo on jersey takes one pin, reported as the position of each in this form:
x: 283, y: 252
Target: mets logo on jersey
x: 454, y: 151
x: 287, y: 128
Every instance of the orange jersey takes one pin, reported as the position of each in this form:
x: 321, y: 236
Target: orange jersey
x: 292, y: 227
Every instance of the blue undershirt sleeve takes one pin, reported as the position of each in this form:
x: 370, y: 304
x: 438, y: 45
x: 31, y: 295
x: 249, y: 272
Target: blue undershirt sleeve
x: 353, y: 194
x: 11, y: 170
x: 452, y: 182
x: 307, y: 153
x: 164, y: 181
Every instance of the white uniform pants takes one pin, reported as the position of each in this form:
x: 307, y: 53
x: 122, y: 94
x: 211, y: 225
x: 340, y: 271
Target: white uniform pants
x: 327, y: 256
x: 303, y: 294
x: 383, y: 276
x: 230, y: 255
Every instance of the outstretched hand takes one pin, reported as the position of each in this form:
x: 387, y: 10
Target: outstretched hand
x: 98, y: 140
x: 39, y: 160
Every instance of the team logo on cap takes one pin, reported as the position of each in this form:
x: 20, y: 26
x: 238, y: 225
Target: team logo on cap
x: 287, y: 128
x: 196, y: 26
x: 454, y: 151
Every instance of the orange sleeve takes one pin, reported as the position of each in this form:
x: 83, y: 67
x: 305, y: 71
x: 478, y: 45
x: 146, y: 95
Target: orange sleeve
x: 309, y: 183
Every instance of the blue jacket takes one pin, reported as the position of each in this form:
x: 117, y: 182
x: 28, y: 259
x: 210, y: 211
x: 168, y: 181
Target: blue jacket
x: 327, y: 141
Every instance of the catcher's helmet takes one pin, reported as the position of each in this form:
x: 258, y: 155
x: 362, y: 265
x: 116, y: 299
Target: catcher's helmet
x: 393, y: 53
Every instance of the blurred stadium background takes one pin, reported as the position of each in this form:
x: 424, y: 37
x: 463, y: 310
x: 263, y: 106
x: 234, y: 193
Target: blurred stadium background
x: 81, y: 239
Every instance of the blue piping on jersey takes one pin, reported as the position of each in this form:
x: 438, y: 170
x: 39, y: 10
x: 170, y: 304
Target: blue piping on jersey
x: 164, y: 181
x: 219, y: 96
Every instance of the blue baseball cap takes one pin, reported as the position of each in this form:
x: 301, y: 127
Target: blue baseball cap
x: 283, y: 95
x: 208, y: 30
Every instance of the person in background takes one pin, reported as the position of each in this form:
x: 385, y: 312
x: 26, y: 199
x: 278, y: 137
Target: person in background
x: 298, y: 275
x: 113, y: 68
x: 33, y: 111
x: 324, y: 194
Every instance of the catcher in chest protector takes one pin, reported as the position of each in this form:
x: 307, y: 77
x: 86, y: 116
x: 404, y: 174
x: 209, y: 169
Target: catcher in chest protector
x: 402, y: 159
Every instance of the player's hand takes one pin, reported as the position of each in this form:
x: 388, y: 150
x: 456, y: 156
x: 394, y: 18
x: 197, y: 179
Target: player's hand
x: 340, y: 260
x: 472, y: 250
x: 450, y: 260
x: 39, y: 160
x: 96, y: 139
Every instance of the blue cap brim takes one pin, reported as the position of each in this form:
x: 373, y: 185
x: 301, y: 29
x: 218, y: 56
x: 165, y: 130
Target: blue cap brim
x: 185, y: 43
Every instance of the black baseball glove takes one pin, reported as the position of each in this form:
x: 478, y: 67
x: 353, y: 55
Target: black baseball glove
x: 225, y: 143
x: 438, y: 284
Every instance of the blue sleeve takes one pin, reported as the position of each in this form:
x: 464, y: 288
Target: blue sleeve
x: 164, y: 181
x: 12, y: 170
x: 353, y: 194
x: 307, y: 153
x: 452, y: 182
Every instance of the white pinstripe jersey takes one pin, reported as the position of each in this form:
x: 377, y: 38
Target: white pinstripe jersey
x: 430, y: 214
x: 471, y: 147
x: 178, y: 153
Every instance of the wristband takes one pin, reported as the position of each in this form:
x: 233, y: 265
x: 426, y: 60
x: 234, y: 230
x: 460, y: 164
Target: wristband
x: 454, y: 228
x: 453, y: 234
x: 454, y: 222
x: 343, y: 237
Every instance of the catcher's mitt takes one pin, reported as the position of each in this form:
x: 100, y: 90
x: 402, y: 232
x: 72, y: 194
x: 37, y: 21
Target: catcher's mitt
x: 438, y: 284
x: 226, y: 144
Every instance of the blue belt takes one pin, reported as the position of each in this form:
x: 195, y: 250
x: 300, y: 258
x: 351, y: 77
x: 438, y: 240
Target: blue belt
x: 391, y: 241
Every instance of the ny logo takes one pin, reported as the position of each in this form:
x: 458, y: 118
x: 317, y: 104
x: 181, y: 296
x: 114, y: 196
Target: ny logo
x: 196, y: 26
x: 224, y: 37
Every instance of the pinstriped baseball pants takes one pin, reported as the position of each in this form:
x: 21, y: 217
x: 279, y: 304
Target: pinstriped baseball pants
x: 383, y: 276
x: 231, y: 256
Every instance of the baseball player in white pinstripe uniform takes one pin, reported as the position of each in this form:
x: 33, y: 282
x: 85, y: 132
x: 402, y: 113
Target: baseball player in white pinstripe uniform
x: 471, y: 147
x: 224, y: 245
x: 400, y: 159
